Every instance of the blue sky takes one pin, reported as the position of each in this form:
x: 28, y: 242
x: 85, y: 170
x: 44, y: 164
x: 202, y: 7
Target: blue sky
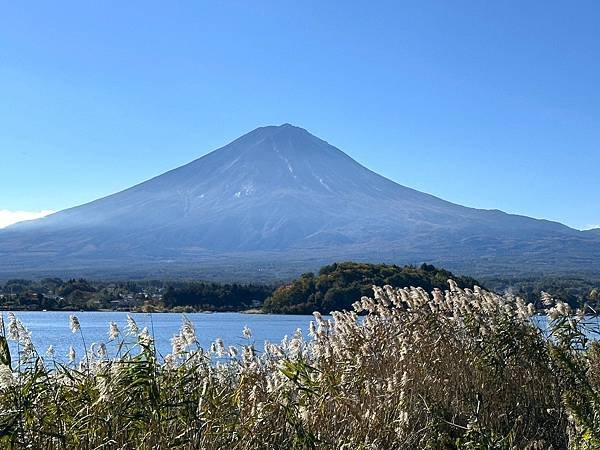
x: 487, y: 104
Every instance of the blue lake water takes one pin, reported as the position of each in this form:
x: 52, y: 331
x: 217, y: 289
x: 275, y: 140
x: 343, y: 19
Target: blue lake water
x: 52, y: 328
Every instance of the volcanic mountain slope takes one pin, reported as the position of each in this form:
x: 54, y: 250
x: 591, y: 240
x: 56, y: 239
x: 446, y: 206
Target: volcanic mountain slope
x: 279, y: 193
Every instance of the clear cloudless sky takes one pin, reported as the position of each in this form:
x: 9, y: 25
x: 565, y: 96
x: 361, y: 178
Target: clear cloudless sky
x: 490, y: 104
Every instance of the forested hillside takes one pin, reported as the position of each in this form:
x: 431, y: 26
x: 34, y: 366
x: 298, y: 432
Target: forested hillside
x: 216, y: 297
x: 337, y: 286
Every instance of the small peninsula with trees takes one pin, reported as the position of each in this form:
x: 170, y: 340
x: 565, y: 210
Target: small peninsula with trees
x: 333, y: 287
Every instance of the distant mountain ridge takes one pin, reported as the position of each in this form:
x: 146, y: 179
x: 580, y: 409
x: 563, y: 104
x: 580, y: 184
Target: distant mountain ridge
x: 282, y: 195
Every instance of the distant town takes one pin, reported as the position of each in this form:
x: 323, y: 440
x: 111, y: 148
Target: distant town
x: 88, y: 295
x: 56, y: 294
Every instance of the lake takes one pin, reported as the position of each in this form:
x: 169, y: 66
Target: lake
x: 52, y: 328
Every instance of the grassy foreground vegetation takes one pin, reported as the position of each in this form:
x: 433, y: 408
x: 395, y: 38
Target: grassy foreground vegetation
x: 456, y: 369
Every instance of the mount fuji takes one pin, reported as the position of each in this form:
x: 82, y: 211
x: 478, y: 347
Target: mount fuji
x: 280, y: 197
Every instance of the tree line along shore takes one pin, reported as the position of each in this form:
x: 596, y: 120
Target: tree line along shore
x: 333, y: 287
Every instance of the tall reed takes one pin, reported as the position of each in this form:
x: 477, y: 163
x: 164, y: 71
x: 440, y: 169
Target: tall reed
x: 405, y: 369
